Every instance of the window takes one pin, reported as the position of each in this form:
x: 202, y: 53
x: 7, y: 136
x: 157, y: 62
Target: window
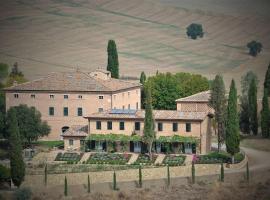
x: 175, y: 127
x: 70, y: 142
x: 79, y: 112
x: 33, y: 96
x: 129, y: 106
x: 65, y: 96
x: 137, y: 106
x: 160, y: 126
x: 123, y: 107
x: 109, y: 125
x: 188, y: 127
x: 65, y: 111
x: 79, y: 96
x: 122, y: 125
x: 100, y: 109
x: 100, y: 97
x: 98, y: 125
x: 137, y: 126
x: 16, y: 96
x: 81, y: 143
x: 51, y: 111
x: 51, y: 96
x: 128, y: 94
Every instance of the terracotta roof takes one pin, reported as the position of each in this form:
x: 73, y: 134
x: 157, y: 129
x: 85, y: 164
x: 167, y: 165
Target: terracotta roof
x: 139, y: 114
x: 73, y: 81
x: 76, y: 131
x: 199, y: 97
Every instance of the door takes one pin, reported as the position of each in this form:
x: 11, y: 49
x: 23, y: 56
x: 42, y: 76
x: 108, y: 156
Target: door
x: 137, y: 147
x: 188, y: 148
x: 158, y: 147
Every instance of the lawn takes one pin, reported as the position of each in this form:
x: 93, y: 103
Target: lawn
x: 49, y: 144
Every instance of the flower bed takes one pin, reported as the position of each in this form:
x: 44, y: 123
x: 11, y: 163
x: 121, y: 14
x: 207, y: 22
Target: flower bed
x: 144, y: 159
x: 215, y: 157
x: 69, y: 157
x: 109, y: 158
x: 174, y: 160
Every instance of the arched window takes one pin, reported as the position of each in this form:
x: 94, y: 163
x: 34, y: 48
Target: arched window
x: 64, y: 128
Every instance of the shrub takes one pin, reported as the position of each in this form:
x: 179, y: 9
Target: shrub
x: 4, y: 173
x: 194, y: 31
x: 23, y: 194
x: 173, y: 160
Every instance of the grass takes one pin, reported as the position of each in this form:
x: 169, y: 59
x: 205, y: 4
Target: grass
x: 49, y: 144
x: 256, y: 143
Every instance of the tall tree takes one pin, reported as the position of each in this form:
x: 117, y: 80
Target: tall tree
x: 267, y: 80
x: 113, y: 64
x: 142, y: 78
x: 2, y: 114
x: 232, y: 123
x: 149, y: 134
x: 218, y: 102
x: 16, y: 160
x: 3, y: 71
x: 15, y: 76
x: 252, y: 101
x: 142, y: 81
x: 244, y: 101
x: 265, y: 115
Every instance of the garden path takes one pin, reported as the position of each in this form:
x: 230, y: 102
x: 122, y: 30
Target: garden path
x: 160, y: 159
x: 133, y: 158
x: 85, y: 157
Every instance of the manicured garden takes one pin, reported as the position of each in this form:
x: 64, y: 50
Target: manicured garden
x: 109, y: 158
x: 174, y: 160
x: 215, y: 157
x: 144, y: 159
x: 69, y: 157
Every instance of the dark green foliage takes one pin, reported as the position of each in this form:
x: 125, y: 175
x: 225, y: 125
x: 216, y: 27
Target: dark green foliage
x: 140, y: 176
x: 15, y: 75
x: 267, y: 80
x: 23, y: 194
x: 265, y: 115
x: 222, y: 173
x: 254, y: 48
x: 15, y: 70
x: 193, y: 172
x: 65, y: 187
x: 252, y: 100
x: 247, y: 172
x: 149, y: 134
x: 2, y: 115
x: 88, y: 184
x: 30, y: 124
x: 232, y: 123
x: 114, y: 181
x: 113, y: 64
x: 4, y: 173
x: 142, y: 81
x: 45, y: 175
x: 218, y: 102
x: 215, y: 157
x: 142, y: 78
x: 194, y: 31
x: 166, y: 88
x: 16, y: 160
x: 3, y: 71
x: 168, y: 176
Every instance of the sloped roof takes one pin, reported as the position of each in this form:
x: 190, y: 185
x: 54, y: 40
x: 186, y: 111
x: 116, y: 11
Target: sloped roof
x: 158, y: 115
x: 73, y: 81
x: 199, y: 97
x: 76, y: 131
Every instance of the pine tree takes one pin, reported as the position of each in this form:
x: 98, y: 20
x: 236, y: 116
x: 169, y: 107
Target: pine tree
x: 265, y: 115
x: 149, y: 124
x: 142, y: 78
x: 252, y: 99
x: 218, y: 102
x: 88, y: 184
x: 222, y: 173
x: 232, y: 123
x: 113, y: 64
x: 16, y: 160
x: 193, y: 172
x: 168, y: 176
x: 267, y: 80
x: 65, y: 189
x: 140, y: 176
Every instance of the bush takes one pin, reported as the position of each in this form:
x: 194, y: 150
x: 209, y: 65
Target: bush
x: 23, y: 194
x: 173, y: 160
x: 194, y: 31
x: 4, y: 173
x: 145, y: 159
x: 215, y: 157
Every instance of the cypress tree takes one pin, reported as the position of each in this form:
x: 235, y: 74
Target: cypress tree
x: 16, y: 160
x: 267, y: 80
x: 265, y: 115
x: 218, y: 102
x: 222, y: 173
x: 149, y: 124
x: 232, y: 123
x: 65, y: 189
x: 193, y: 172
x: 252, y: 99
x: 113, y: 64
x: 45, y: 175
x: 168, y: 176
x: 247, y: 172
x: 140, y: 176
x: 114, y: 181
x: 142, y: 78
x: 88, y: 184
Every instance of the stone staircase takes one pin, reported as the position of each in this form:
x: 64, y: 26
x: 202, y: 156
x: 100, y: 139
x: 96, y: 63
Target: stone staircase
x: 160, y: 159
x: 133, y: 158
x: 85, y: 157
x: 188, y: 160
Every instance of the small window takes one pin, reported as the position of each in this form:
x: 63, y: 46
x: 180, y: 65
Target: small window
x: 137, y: 106
x: 65, y: 96
x: 100, y: 97
x: 123, y: 107
x: 51, y: 96
x: 137, y: 126
x: 122, y: 125
x: 79, y: 111
x: 70, y: 142
x: 100, y: 109
x: 129, y: 106
x: 79, y: 96
x: 98, y: 125
x: 16, y: 96
x: 33, y: 96
x: 175, y: 127
x: 188, y: 127
x: 160, y: 126
x: 65, y: 111
x: 109, y: 125
x: 51, y: 111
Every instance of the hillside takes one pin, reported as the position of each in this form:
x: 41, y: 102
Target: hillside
x: 57, y: 35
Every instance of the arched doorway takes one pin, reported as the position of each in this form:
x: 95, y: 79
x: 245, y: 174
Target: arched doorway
x: 64, y: 128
